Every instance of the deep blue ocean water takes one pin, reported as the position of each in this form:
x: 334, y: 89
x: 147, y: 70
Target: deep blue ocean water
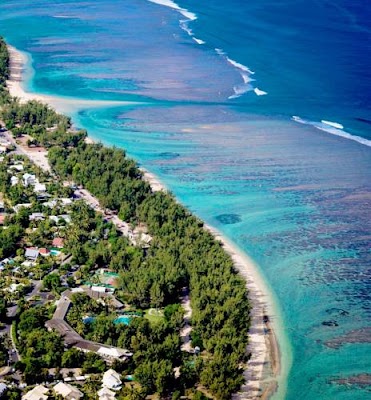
x: 218, y: 86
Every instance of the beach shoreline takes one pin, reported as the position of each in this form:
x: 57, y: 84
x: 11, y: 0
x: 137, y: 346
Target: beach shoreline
x: 264, y: 366
x: 18, y: 62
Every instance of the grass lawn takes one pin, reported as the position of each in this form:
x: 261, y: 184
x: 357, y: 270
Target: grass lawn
x: 154, y: 316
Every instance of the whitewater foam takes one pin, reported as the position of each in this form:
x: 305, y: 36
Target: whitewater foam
x: 239, y: 90
x: 184, y: 25
x: 240, y: 66
x: 259, y: 92
x: 334, y: 129
x: 199, y: 41
x: 171, y: 4
x: 333, y: 124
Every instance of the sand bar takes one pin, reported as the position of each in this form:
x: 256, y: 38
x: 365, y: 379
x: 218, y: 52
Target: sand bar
x: 264, y: 366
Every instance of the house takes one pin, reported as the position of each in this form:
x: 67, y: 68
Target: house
x: 39, y: 187
x: 37, y: 393
x: 14, y: 180
x: 111, y: 380
x: 32, y: 253
x: 2, y: 206
x: 58, y: 243
x: 29, y: 180
x: 44, y: 252
x: 66, y: 217
x: 3, y: 149
x: 106, y: 394
x: 2, y: 219
x: 28, y: 264
x: 67, y: 391
x: 17, y: 167
x: 17, y: 207
x: 37, y: 216
x: 3, y: 389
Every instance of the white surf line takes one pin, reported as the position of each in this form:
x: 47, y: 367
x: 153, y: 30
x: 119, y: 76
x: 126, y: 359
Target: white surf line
x: 334, y: 128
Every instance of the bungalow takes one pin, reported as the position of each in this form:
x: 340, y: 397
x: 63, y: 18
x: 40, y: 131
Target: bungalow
x: 111, y: 380
x: 44, y: 252
x: 29, y: 179
x: 39, y: 187
x: 17, y: 207
x: 14, y: 180
x: 37, y: 393
x: 67, y: 391
x: 17, y: 167
x: 32, y: 253
x: 3, y: 389
x: 106, y: 394
x: 66, y: 217
x: 58, y: 243
x: 37, y: 216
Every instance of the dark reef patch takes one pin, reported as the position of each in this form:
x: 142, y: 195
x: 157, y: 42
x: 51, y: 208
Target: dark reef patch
x: 228, y: 219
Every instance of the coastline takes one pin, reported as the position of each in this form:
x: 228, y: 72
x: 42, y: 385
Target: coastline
x: 264, y: 366
x: 18, y: 62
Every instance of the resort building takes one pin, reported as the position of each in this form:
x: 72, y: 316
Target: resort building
x: 29, y: 180
x: 106, y: 394
x: 32, y: 253
x: 37, y: 393
x: 14, y: 180
x: 111, y: 380
x: 58, y: 243
x: 4, y: 388
x: 37, y: 216
x: 67, y: 391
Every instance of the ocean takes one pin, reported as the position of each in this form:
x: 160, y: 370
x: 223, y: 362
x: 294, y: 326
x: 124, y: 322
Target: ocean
x: 257, y: 116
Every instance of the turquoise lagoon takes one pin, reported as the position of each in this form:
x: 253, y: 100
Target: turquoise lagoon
x: 294, y: 196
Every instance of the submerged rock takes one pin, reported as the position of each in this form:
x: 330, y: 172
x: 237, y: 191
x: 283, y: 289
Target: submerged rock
x: 228, y: 219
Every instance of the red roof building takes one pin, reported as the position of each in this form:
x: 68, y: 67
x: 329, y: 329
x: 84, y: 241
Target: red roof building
x: 58, y: 242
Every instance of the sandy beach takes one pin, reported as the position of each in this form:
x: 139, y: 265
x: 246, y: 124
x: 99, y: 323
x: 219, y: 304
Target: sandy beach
x: 264, y: 366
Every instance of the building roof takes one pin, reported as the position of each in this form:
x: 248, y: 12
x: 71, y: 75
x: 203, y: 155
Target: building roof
x: 43, y: 251
x: 106, y: 394
x: 32, y: 253
x: 37, y: 393
x: 36, y: 215
x: 40, y: 187
x: 3, y: 387
x: 111, y: 379
x: 58, y: 242
x: 67, y: 391
x: 111, y: 352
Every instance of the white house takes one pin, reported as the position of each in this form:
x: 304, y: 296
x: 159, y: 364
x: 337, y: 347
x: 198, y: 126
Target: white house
x: 14, y: 180
x: 31, y: 254
x: 3, y: 389
x: 29, y: 180
x: 39, y: 187
x: 17, y: 207
x: 111, y: 380
x: 67, y: 391
x: 106, y: 394
x: 37, y: 393
x: 18, y: 167
x: 37, y: 216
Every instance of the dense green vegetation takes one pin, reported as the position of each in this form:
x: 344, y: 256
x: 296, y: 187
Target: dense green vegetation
x: 4, y: 71
x: 182, y: 254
